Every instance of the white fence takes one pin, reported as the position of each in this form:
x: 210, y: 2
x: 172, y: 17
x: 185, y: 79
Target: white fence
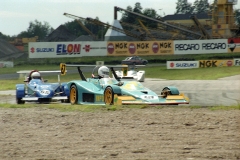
x: 6, y: 64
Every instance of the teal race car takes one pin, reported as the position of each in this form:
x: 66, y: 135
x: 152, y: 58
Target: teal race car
x: 117, y: 90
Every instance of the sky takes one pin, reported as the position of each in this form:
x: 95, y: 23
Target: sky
x: 15, y: 15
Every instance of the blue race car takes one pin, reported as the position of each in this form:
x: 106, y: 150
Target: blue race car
x: 36, y: 89
x: 105, y: 90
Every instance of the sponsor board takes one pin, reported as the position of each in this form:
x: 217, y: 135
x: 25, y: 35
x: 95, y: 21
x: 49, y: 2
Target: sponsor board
x: 200, y: 46
x: 215, y: 63
x: 6, y: 64
x: 66, y: 49
x: 162, y: 47
x: 182, y: 64
x: 123, y: 48
x: 233, y: 45
x: 117, y: 48
x: 236, y: 61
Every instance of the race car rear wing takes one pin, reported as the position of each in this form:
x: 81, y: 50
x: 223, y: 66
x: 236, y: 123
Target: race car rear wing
x: 63, y: 68
x: 24, y: 74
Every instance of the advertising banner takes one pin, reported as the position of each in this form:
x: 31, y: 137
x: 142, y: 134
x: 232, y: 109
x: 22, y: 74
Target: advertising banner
x: 200, y: 46
x: 236, y: 61
x: 215, y: 63
x: 119, y: 48
x: 66, y: 49
x: 122, y: 48
x: 234, y: 45
x: 182, y: 64
x: 162, y: 47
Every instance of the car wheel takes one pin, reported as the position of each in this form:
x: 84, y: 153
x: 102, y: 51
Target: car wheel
x: 108, y: 96
x: 165, y: 92
x: 20, y: 101
x: 144, y: 63
x: 73, y: 95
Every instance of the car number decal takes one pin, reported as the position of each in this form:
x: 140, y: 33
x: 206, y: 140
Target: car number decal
x: 45, y: 92
x: 149, y: 97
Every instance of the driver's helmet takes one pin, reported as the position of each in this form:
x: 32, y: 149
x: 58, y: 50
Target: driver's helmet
x: 103, y: 72
x: 35, y: 75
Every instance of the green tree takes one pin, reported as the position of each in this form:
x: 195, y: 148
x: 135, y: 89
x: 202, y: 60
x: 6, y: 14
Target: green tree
x: 138, y: 8
x: 24, y: 34
x: 183, y: 7
x: 212, y: 6
x: 133, y: 19
x: 128, y: 17
x: 237, y: 17
x: 100, y: 30
x: 200, y: 6
x: 37, y: 28
x: 93, y: 27
x: 75, y: 28
x: 149, y: 12
x: 5, y: 37
x: 195, y: 6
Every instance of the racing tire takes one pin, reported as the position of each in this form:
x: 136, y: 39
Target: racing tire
x: 20, y: 101
x: 108, y: 96
x: 73, y: 98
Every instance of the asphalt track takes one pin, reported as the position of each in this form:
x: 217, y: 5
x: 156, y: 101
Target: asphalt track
x: 222, y: 92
